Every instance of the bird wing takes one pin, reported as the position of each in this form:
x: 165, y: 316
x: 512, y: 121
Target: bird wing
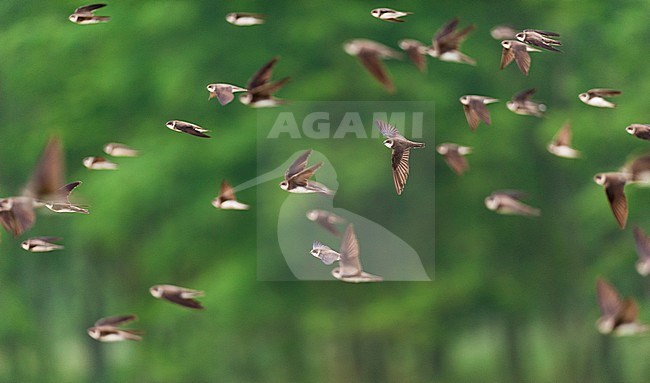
x: 388, y: 130
x: 263, y: 75
x: 608, y: 298
x: 370, y: 60
x: 349, y: 263
x: 297, y: 165
x: 400, y: 162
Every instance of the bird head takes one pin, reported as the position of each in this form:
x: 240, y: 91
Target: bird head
x: 246, y: 98
x: 312, y: 215
x: 231, y: 17
x: 643, y: 267
x: 73, y: 18
x: 284, y: 185
x: 171, y: 125
x: 442, y: 149
x: 506, y: 44
x: 584, y: 97
x: 464, y: 100
x: 600, y: 178
x: 156, y: 291
x: 630, y: 129
x: 389, y: 143
x: 491, y: 202
x: 94, y: 332
x: 375, y: 12
x: 605, y: 325
x: 521, y: 36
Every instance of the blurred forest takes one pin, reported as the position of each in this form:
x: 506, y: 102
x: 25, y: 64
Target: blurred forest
x: 512, y: 299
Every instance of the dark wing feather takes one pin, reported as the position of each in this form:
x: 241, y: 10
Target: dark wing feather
x: 608, y: 299
x: 224, y: 94
x: 628, y: 311
x: 186, y: 302
x: 300, y: 179
x: 263, y: 75
x: 480, y: 109
x: 507, y: 55
x: 603, y: 92
x: 266, y: 90
x: 400, y: 161
x: 617, y: 201
x: 642, y: 243
x: 456, y: 162
x: 226, y: 193
x: 298, y: 165
x: 89, y: 8
x: 116, y: 320
x: 349, y: 263
x: 417, y: 58
x: 522, y: 58
x: 471, y: 116
x: 19, y: 219
x: 48, y: 174
x: 524, y: 95
x: 370, y: 60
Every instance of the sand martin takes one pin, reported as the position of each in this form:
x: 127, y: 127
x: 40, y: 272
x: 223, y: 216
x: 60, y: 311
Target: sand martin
x: 324, y: 253
x: 643, y: 251
x: 638, y: 169
x: 179, y: 295
x: 242, y: 19
x: 370, y: 53
x: 86, y: 15
x: 540, y: 39
x: 224, y: 92
x: 503, y: 32
x: 326, y: 219
x: 618, y: 316
x: 296, y: 178
x: 41, y: 244
x: 517, y: 51
x: 509, y: 202
x: 388, y: 14
x: 521, y: 104
x: 476, y: 110
x: 17, y: 212
x: 106, y: 329
x: 614, y: 184
x: 416, y: 52
x: 454, y: 156
x: 261, y: 89
x: 401, y: 150
x: 596, y: 97
x: 641, y: 131
x: 561, y: 144
x: 349, y: 269
x: 446, y: 43
x: 119, y: 150
x: 187, y: 127
x: 226, y: 199
x: 99, y: 163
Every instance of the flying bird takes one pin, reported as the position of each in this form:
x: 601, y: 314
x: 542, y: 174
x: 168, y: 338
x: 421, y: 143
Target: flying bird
x: 638, y: 169
x: 641, y: 131
x: 503, y: 32
x: 43, y: 189
x: 41, y: 244
x: 509, y: 202
x: 324, y: 253
x: 349, y: 269
x: 618, y: 316
x: 59, y: 202
x: 297, y: 177
x: 614, y: 184
x: 119, y: 150
x: 454, y: 156
x: 643, y: 251
x: 85, y: 15
x: 179, y: 295
x: 99, y: 163
x: 446, y: 43
x: 187, y: 127
x: 260, y: 88
x: 561, y: 144
x: 242, y: 19
x: 401, y: 150
x: 106, y: 329
x: 476, y: 110
x: 416, y: 52
x: 541, y: 39
x: 224, y: 93
x: 523, y: 105
x: 387, y: 14
x: 517, y: 51
x: 326, y: 219
x: 596, y: 97
x: 226, y: 199
x: 370, y: 53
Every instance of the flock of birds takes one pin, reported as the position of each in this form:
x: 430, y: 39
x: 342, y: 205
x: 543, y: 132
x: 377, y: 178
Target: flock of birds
x: 619, y: 316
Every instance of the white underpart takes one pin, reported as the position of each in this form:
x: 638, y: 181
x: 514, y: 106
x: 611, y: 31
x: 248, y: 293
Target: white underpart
x: 563, y: 151
x: 231, y: 205
x: 246, y: 21
x: 600, y: 102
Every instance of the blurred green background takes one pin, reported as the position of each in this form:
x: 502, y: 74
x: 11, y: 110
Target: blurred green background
x: 513, y: 299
